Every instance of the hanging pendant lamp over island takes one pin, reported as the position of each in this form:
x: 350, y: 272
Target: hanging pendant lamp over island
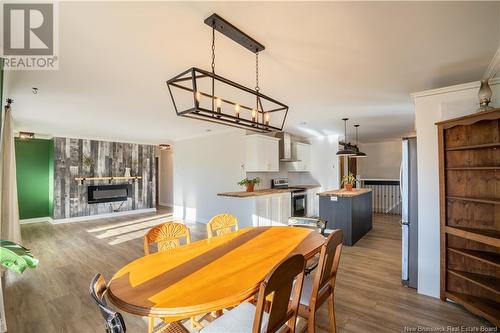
x: 347, y: 150
x: 204, y: 95
x: 359, y: 153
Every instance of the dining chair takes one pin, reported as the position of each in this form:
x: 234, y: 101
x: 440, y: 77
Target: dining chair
x: 320, y: 287
x: 166, y: 236
x: 314, y: 223
x: 114, y: 320
x: 222, y: 224
x: 282, y: 313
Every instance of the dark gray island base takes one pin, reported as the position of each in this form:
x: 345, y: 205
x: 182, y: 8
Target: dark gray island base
x: 350, y: 211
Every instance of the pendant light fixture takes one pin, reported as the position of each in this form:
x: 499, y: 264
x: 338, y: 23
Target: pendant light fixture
x: 347, y: 151
x: 204, y: 95
x: 359, y: 154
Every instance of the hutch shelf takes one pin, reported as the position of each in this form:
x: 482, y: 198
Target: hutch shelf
x: 469, y: 170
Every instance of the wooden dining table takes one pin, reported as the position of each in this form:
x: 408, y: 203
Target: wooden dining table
x: 207, y: 275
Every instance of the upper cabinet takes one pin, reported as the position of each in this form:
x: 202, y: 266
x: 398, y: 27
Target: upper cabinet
x: 262, y: 153
x: 303, y: 154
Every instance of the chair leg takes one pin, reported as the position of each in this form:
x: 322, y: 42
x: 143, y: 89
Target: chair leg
x: 151, y: 324
x: 217, y: 314
x: 331, y: 313
x: 311, y: 325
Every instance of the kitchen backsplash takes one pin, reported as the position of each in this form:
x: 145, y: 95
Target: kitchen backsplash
x: 294, y: 178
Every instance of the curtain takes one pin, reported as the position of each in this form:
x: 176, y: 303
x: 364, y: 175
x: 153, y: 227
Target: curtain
x: 9, y: 211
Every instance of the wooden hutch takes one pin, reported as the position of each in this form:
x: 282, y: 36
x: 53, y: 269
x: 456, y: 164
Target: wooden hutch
x: 469, y: 172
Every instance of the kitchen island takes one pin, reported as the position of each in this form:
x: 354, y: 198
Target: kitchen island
x: 350, y: 211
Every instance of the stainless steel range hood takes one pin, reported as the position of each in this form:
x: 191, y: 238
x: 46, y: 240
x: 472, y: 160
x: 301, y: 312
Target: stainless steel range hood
x: 285, y: 146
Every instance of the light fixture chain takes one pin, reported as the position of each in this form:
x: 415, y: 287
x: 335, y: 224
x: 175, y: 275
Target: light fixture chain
x: 257, y: 72
x: 213, y: 48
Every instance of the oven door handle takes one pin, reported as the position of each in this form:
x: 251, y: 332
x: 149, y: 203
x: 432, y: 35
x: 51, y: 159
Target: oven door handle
x: 299, y: 194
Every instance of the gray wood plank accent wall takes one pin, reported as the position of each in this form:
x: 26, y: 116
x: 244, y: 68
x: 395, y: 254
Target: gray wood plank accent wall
x: 110, y: 160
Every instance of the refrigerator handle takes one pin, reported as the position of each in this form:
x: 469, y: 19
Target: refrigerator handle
x: 401, y: 179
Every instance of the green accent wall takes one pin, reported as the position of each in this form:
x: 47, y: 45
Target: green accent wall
x: 1, y: 81
x: 35, y: 177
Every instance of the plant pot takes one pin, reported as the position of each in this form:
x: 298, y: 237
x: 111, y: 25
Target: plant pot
x: 250, y: 187
x: 348, y: 187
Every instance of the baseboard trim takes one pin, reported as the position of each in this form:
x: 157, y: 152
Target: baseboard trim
x: 102, y: 216
x: 165, y: 204
x: 36, y: 220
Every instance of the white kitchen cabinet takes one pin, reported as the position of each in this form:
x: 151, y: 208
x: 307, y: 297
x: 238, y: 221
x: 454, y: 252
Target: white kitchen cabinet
x: 262, y: 153
x: 272, y: 210
x: 313, y: 202
x: 303, y: 154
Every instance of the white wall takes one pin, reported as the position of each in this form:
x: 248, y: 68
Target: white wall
x: 382, y: 161
x: 166, y: 177
x: 431, y: 107
x: 203, y: 167
x: 324, y: 162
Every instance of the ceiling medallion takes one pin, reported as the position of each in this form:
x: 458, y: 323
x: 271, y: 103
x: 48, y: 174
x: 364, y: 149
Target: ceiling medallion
x: 204, y: 95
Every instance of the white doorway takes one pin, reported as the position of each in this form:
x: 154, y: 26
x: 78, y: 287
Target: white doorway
x: 165, y: 178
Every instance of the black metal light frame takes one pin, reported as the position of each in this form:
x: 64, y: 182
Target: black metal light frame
x: 188, y: 81
x: 212, y: 115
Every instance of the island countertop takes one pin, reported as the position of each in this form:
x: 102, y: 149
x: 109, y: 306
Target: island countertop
x: 268, y: 191
x: 345, y: 193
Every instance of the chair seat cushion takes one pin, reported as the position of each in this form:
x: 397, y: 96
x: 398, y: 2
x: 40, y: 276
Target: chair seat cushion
x: 238, y: 320
x: 307, y: 289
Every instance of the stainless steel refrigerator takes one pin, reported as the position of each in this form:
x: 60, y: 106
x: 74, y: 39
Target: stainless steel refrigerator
x: 409, y: 213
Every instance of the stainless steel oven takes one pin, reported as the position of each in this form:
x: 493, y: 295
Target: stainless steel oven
x: 299, y: 203
x: 298, y: 196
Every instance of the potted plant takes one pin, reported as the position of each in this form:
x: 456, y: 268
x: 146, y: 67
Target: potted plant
x: 89, y: 162
x: 16, y: 257
x: 135, y: 168
x: 347, y: 181
x: 249, y: 183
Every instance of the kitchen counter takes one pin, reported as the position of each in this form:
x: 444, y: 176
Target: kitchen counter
x: 350, y: 211
x: 346, y: 194
x: 269, y: 191
x: 256, y: 193
x: 308, y: 187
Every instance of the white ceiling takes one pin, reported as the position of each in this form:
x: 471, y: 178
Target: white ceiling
x: 325, y: 60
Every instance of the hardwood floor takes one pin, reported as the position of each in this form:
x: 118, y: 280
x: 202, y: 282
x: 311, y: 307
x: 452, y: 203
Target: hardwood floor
x: 54, y: 296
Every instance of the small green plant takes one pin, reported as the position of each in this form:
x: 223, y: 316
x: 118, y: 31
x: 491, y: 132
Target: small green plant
x: 348, y: 179
x: 246, y: 181
x: 88, y: 161
x: 135, y: 168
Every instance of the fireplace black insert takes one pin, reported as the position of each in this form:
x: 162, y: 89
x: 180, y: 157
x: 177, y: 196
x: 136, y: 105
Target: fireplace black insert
x: 108, y: 193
